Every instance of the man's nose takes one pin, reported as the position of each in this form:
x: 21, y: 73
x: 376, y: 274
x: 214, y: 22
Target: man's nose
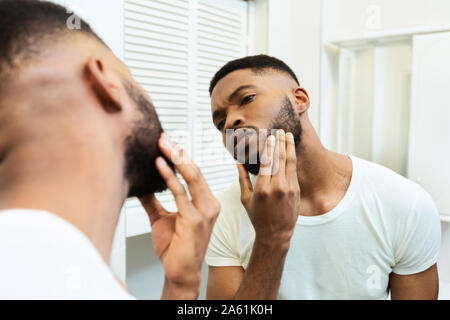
x: 234, y: 121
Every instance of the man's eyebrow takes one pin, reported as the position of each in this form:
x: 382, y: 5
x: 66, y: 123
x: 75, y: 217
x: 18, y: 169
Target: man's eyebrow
x: 220, y: 112
x: 217, y: 113
x: 236, y: 92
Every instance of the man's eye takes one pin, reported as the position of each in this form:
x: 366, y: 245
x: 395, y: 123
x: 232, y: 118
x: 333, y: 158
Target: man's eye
x: 247, y: 99
x: 220, y: 125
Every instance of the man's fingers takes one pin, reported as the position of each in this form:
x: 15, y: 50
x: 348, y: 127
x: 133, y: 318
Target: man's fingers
x: 153, y: 208
x: 246, y: 184
x: 291, y: 159
x: 174, y: 185
x: 265, y: 169
x: 200, y: 192
x: 279, y: 158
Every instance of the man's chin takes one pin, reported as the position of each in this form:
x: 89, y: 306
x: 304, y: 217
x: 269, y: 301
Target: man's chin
x: 146, y: 190
x: 146, y: 180
x: 252, y: 168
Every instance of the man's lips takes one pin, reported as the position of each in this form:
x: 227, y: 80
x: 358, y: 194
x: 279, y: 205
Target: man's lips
x: 245, y: 144
x: 242, y: 143
x: 245, y: 141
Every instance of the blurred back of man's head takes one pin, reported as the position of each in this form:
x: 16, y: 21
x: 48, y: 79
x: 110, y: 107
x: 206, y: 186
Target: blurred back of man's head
x: 27, y: 28
x: 62, y: 89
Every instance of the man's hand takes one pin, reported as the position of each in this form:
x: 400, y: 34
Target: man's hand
x: 181, y: 238
x: 273, y: 205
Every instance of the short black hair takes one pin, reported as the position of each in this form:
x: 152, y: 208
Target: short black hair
x: 258, y: 64
x: 26, y: 26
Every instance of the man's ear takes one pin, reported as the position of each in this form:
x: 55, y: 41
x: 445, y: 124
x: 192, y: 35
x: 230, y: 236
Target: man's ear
x: 301, y: 100
x: 104, y: 84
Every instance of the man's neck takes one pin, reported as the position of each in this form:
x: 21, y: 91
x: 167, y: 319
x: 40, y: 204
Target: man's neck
x: 75, y: 185
x: 323, y: 175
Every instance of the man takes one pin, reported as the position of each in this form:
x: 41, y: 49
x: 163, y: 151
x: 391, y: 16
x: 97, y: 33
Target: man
x: 78, y: 136
x: 346, y: 229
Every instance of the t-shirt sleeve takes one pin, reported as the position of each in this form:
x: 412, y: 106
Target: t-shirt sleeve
x: 222, y: 249
x: 419, y: 243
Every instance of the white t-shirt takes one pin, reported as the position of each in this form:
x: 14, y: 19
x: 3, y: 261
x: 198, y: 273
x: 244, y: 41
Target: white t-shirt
x: 44, y: 257
x: 384, y: 223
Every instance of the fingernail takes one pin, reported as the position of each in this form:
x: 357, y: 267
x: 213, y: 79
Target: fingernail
x: 271, y: 140
x: 165, y: 141
x: 290, y: 135
x: 161, y: 162
x: 281, y: 133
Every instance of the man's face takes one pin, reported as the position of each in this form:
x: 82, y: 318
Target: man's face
x: 142, y: 147
x: 142, y: 127
x: 256, y: 105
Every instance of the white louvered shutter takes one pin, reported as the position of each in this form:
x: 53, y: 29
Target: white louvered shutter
x: 173, y: 48
x: 221, y: 37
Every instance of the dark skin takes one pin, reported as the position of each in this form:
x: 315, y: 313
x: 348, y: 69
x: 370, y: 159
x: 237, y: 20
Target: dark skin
x: 62, y: 134
x: 245, y: 100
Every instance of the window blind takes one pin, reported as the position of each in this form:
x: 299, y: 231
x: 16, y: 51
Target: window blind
x: 173, y: 48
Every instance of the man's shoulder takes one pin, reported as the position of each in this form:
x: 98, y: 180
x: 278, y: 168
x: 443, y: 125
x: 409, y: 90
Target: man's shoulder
x: 382, y: 177
x: 62, y: 256
x: 395, y: 192
x: 232, y: 209
x: 231, y: 193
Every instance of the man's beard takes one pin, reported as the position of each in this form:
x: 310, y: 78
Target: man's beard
x: 142, y: 149
x: 287, y: 120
